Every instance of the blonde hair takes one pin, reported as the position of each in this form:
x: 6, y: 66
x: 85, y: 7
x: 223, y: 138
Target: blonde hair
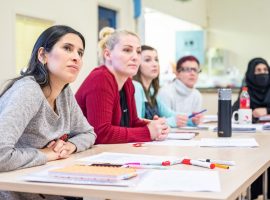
x: 108, y: 38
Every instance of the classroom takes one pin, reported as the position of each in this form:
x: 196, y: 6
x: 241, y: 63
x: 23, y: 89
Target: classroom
x: 224, y: 35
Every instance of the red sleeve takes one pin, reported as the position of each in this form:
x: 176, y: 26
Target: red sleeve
x: 103, y: 113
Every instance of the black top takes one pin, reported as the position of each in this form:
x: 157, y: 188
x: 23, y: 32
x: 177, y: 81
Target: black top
x: 258, y: 86
x: 125, y: 114
x: 150, y: 111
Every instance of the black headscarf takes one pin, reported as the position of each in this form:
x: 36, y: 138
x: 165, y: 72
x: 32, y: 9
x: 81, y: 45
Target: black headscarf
x: 258, y: 85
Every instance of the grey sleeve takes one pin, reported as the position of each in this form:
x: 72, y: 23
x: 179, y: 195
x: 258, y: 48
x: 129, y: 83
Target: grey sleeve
x: 83, y: 135
x: 18, y: 106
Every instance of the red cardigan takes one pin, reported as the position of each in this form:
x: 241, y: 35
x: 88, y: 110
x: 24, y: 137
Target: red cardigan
x: 99, y: 99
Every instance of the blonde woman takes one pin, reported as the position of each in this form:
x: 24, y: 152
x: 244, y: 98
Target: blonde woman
x: 106, y: 97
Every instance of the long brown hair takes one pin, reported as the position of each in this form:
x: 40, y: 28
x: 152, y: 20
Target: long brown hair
x: 38, y: 70
x: 155, y: 82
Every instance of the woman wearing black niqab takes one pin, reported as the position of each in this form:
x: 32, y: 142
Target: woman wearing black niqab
x: 258, y: 82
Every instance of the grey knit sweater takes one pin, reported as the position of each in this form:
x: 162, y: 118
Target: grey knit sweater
x: 28, y: 123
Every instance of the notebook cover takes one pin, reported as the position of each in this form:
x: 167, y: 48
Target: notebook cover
x: 97, y: 173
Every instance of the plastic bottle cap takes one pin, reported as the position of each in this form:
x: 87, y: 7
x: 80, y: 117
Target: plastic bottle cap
x: 244, y: 88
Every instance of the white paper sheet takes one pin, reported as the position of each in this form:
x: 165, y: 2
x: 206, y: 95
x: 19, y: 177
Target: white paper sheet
x: 180, y: 180
x: 123, y: 158
x: 184, y: 143
x: 180, y: 136
x: 228, y: 142
x: 209, y: 118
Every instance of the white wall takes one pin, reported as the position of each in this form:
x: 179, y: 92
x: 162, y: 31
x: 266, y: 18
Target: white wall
x: 79, y: 14
x: 210, y: 101
x: 193, y: 11
x: 242, y: 27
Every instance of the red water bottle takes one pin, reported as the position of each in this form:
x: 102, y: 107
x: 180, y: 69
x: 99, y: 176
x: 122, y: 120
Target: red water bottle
x: 244, y: 99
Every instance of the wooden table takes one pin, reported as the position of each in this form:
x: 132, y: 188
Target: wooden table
x: 250, y: 164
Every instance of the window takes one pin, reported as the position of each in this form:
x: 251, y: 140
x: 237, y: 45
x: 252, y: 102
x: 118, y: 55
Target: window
x: 106, y: 17
x: 27, y: 31
x: 169, y: 40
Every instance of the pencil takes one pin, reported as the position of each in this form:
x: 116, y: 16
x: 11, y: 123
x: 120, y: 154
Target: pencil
x: 222, y: 166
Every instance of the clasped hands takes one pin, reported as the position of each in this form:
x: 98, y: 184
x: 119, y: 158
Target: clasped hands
x: 158, y: 128
x: 58, y: 149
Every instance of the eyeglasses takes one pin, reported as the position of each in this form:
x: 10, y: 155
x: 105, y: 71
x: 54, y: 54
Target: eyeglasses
x: 190, y: 69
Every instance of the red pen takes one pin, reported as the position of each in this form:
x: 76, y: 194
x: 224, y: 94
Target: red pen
x: 198, y: 163
x: 169, y: 163
x: 162, y: 163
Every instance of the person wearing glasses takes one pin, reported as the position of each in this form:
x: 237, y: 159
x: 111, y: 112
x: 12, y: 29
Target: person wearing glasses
x: 180, y: 95
x: 146, y: 83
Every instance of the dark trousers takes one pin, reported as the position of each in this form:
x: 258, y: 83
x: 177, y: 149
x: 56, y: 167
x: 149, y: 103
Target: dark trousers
x: 256, y: 186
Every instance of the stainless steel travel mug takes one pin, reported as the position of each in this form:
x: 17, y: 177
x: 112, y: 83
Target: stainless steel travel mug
x: 224, y: 112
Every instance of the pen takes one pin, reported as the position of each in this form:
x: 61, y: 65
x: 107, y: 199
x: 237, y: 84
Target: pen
x: 222, y: 162
x: 221, y: 166
x: 198, y: 163
x: 175, y: 162
x: 161, y: 163
x: 146, y: 167
x: 194, y: 114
